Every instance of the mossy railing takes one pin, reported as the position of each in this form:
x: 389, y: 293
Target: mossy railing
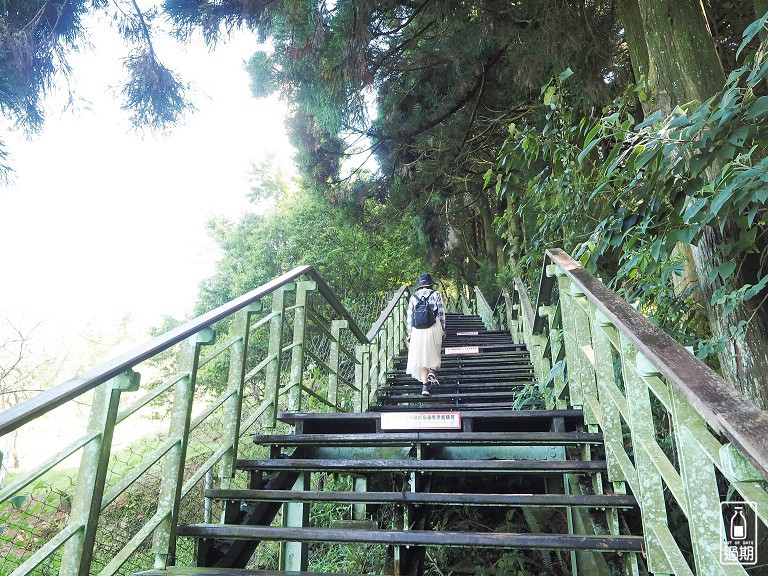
x: 108, y: 500
x: 677, y: 434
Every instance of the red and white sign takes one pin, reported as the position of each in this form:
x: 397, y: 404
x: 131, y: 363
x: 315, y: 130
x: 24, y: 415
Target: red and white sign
x: 421, y: 421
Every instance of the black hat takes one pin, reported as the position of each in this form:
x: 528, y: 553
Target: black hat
x: 425, y: 280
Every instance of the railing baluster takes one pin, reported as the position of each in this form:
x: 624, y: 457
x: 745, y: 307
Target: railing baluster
x: 86, y: 505
x: 650, y: 490
x: 335, y: 354
x: 236, y: 382
x: 297, y: 351
x: 275, y: 355
x: 164, y: 540
x: 698, y: 475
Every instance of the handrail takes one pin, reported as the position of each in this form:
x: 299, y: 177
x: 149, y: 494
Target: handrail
x: 721, y: 405
x: 385, y: 314
x: 689, y: 430
x: 268, y: 348
x: 525, y: 302
x: 26, y: 411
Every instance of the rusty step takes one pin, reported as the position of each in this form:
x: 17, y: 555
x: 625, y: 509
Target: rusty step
x: 415, y: 386
x: 440, y: 396
x: 499, y: 540
x: 496, y: 466
x: 433, y: 438
x: 453, y: 375
x: 440, y: 498
x: 487, y: 420
x: 424, y: 407
x: 204, y: 571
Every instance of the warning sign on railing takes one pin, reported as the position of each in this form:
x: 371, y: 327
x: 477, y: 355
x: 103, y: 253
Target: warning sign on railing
x: 421, y: 421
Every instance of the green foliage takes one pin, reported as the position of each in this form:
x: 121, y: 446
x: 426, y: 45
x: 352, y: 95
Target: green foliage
x: 622, y: 195
x: 358, y: 250
x: 154, y: 95
x: 261, y: 69
x: 36, y: 38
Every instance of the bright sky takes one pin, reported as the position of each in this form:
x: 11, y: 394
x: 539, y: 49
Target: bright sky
x: 100, y: 222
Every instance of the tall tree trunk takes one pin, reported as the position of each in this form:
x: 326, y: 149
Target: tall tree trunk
x: 489, y: 232
x: 683, y: 65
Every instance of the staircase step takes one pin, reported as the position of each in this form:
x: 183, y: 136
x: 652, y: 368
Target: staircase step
x: 433, y: 438
x: 499, y: 540
x: 441, y: 498
x: 495, y: 406
x: 449, y: 387
x: 486, y: 420
x: 437, y: 396
x: 548, y: 467
x: 203, y: 571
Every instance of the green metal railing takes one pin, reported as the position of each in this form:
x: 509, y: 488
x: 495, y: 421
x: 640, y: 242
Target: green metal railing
x: 83, y: 507
x: 677, y: 434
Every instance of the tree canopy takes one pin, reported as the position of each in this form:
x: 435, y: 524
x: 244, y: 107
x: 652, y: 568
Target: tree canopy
x: 626, y: 131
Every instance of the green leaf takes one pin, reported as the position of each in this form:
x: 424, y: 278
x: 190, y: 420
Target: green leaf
x: 699, y: 162
x: 587, y: 150
x: 18, y: 500
x: 757, y: 288
x: 759, y: 107
x: 751, y: 31
x: 693, y: 209
x: 549, y: 94
x: 739, y: 136
x: 656, y: 249
x: 720, y: 199
x: 685, y: 235
x: 487, y: 177
x: 591, y: 134
x: 726, y: 269
x: 565, y: 74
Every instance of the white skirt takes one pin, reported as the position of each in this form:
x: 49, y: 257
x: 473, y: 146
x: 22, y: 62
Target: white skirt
x: 424, y: 349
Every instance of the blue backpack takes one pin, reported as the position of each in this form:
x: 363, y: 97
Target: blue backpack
x: 423, y: 315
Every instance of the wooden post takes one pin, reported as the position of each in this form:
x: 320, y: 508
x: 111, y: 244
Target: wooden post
x: 164, y: 540
x: 86, y: 504
x: 297, y: 348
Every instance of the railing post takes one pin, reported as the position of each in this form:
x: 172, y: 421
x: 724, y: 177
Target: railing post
x: 586, y: 355
x: 699, y: 481
x: 335, y: 354
x: 359, y: 378
x: 86, y: 505
x: 366, y: 392
x: 236, y: 381
x: 650, y: 487
x: 606, y: 383
x: 297, y: 348
x: 391, y: 339
x: 293, y: 555
x: 401, y: 320
x: 164, y: 540
x: 375, y: 354
x: 573, y: 362
x: 275, y: 354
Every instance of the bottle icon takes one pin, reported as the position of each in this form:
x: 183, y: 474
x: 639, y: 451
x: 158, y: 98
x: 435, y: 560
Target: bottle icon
x: 738, y: 524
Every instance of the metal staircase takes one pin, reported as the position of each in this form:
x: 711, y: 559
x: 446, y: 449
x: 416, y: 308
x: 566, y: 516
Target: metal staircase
x: 430, y: 458
x: 551, y: 456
